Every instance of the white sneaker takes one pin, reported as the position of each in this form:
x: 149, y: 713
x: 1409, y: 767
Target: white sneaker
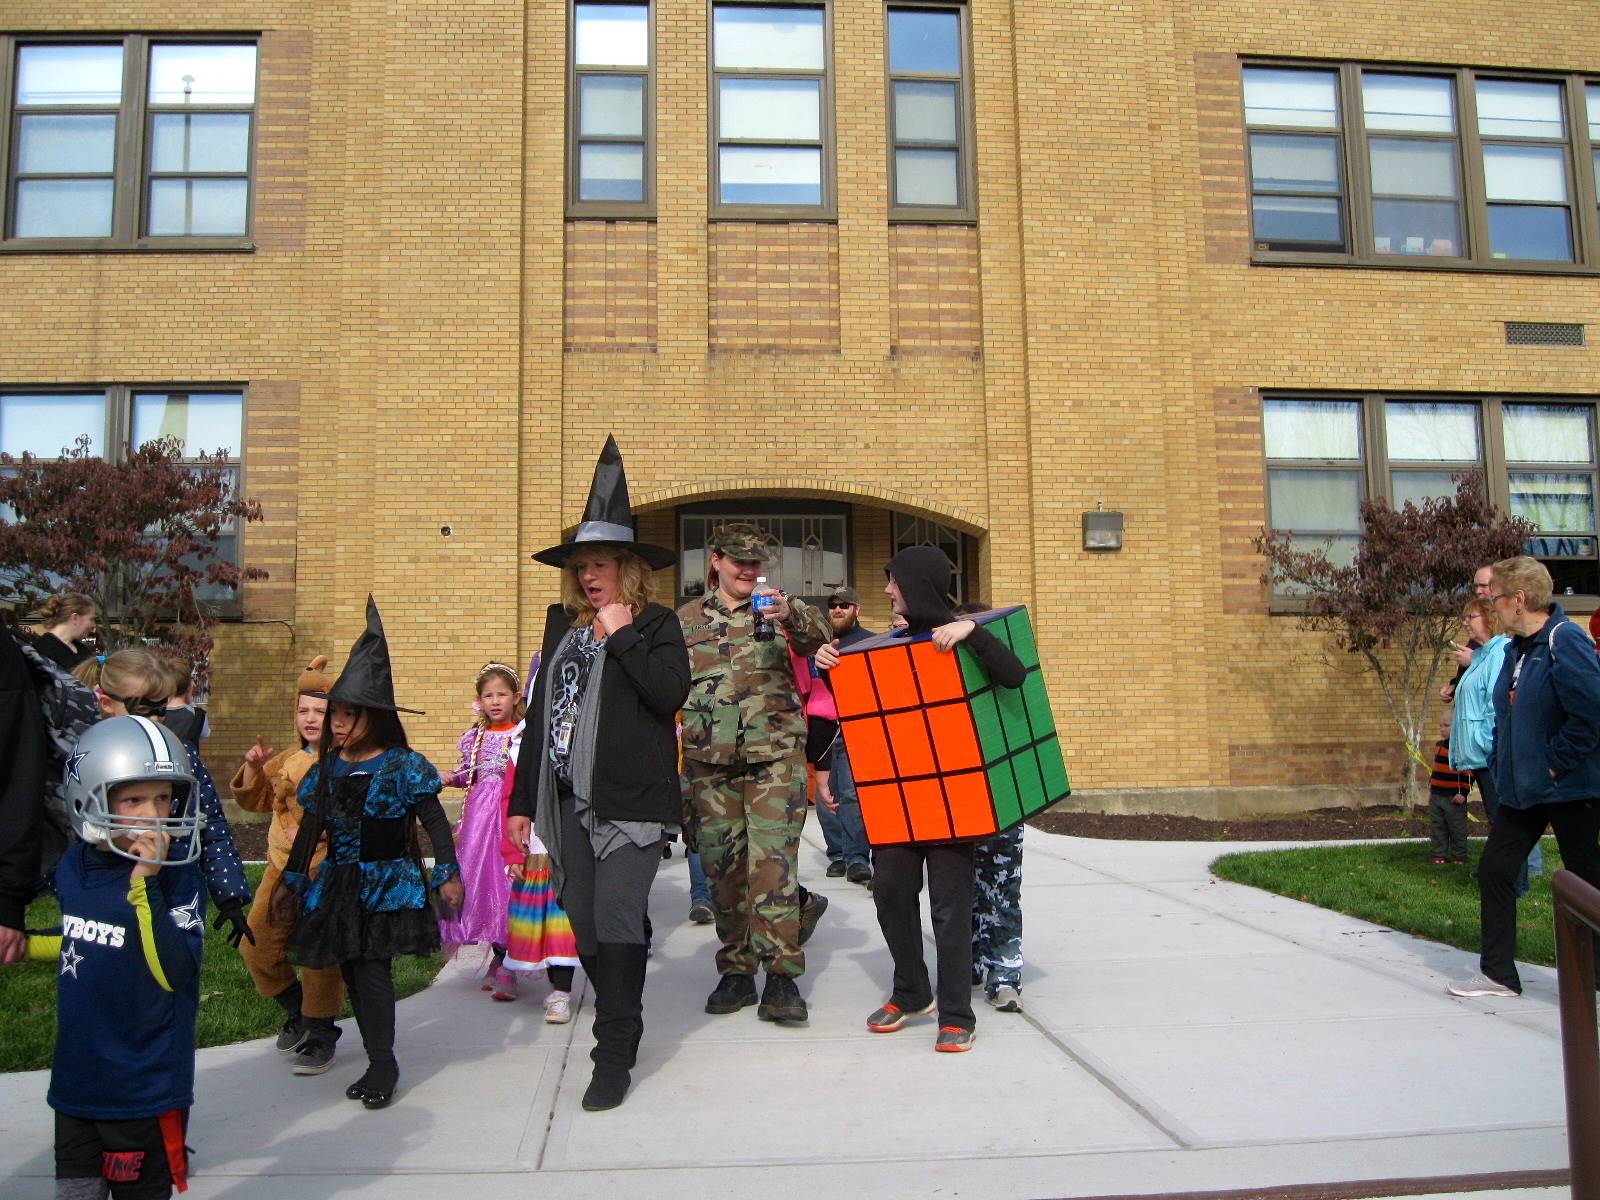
x: 1006, y: 999
x: 1481, y: 985
x: 558, y: 1008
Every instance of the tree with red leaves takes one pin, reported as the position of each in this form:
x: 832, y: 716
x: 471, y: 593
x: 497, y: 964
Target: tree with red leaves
x: 138, y: 535
x: 1398, y: 605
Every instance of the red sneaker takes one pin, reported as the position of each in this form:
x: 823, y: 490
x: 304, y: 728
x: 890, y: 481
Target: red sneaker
x: 891, y: 1016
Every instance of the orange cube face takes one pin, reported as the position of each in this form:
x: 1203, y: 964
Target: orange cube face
x: 939, y: 752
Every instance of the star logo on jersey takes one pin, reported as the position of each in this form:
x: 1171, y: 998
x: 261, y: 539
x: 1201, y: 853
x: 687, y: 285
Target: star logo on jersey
x: 70, y: 958
x: 74, y: 761
x: 184, y: 916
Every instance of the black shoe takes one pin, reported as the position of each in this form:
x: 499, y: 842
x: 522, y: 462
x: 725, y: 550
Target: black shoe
x: 376, y: 1088
x: 733, y: 993
x: 835, y: 870
x: 859, y: 873
x: 606, y: 1089
x: 781, y: 1001
x: 315, y: 1057
x: 292, y: 1036
x: 810, y: 913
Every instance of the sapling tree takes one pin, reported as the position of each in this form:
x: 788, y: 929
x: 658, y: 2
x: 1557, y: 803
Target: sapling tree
x: 1398, y: 605
x: 139, y: 535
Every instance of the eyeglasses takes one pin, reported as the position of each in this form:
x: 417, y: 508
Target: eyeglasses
x: 139, y: 706
x: 1502, y: 596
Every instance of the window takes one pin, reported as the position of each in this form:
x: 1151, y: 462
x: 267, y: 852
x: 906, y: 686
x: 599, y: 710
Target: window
x: 1325, y: 454
x: 912, y: 531
x: 1422, y: 167
x: 930, y: 168
x: 138, y: 142
x: 204, y: 420
x: 771, y: 111
x: 611, y: 110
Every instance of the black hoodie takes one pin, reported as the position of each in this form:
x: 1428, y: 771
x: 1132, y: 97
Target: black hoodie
x: 924, y: 575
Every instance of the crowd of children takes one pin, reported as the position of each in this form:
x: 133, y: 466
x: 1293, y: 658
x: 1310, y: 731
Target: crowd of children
x: 345, y: 890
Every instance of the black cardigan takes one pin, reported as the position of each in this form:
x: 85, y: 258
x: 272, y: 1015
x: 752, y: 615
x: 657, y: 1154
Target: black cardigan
x: 645, y: 682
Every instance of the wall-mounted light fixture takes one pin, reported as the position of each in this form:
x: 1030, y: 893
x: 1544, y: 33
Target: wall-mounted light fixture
x: 1102, y: 530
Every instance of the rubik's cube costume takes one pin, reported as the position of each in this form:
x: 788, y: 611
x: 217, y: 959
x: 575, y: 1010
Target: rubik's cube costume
x: 948, y: 747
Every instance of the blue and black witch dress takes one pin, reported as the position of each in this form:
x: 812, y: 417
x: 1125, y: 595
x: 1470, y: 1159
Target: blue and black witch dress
x: 369, y: 898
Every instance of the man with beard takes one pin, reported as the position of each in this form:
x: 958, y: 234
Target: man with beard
x: 842, y: 828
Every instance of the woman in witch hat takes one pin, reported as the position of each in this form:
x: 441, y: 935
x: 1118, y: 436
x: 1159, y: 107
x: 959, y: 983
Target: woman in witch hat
x: 367, y: 792
x: 599, y: 775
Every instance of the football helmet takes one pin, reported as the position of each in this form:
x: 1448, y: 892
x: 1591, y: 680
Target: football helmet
x: 129, y: 750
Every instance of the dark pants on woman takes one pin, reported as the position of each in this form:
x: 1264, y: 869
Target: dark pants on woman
x: 606, y: 900
x: 897, y: 891
x: 1516, y: 831
x: 369, y: 982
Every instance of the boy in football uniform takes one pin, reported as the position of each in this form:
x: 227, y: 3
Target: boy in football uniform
x: 128, y: 985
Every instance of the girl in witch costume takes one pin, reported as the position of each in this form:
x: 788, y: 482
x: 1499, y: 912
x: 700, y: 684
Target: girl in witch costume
x: 484, y: 749
x: 597, y: 777
x: 369, y: 901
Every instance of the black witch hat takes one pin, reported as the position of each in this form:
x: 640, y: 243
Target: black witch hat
x: 367, y: 679
x: 607, y: 519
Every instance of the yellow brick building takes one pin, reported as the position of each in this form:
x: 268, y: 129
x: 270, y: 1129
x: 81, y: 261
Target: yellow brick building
x: 430, y: 327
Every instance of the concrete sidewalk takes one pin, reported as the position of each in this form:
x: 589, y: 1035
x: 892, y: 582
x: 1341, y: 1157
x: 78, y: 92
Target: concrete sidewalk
x: 1181, y: 1034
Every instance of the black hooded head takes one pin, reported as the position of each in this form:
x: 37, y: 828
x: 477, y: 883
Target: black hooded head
x: 367, y: 680
x: 926, y: 578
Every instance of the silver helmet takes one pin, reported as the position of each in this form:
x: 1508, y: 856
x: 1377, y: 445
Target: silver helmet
x: 132, y: 750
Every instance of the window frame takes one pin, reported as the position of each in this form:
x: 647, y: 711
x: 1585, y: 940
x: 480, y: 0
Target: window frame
x: 116, y: 444
x: 965, y: 213
x: 638, y: 210
x: 828, y: 209
x: 1355, y: 167
x: 131, y: 163
x: 1375, y: 467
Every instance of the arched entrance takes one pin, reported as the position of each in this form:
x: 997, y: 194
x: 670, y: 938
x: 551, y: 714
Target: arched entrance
x: 828, y: 536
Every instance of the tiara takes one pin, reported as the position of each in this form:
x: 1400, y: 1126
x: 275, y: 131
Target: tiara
x: 490, y: 668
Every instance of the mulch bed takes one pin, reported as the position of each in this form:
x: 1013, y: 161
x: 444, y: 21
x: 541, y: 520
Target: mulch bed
x: 1326, y: 824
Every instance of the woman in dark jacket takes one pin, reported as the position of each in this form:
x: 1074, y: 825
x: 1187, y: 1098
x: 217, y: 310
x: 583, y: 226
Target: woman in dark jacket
x: 598, y: 774
x: 1545, y: 760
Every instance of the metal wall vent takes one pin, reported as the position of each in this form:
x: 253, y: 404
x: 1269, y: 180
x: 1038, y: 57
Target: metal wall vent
x: 1543, y: 333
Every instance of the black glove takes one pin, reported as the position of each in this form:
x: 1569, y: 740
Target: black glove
x: 232, y: 911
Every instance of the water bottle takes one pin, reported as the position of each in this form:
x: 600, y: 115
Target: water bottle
x: 758, y: 606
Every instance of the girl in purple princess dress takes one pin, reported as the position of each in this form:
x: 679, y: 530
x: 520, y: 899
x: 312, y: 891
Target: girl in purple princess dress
x: 478, y: 834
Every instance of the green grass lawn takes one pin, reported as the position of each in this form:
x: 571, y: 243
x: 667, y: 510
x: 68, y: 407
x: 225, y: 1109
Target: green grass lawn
x: 1397, y: 886
x: 230, y: 1008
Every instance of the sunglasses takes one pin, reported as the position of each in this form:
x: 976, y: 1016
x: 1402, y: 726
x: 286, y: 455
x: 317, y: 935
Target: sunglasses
x: 140, y: 706
x: 839, y: 604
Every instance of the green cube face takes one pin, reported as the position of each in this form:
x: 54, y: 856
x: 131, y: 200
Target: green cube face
x: 940, y: 752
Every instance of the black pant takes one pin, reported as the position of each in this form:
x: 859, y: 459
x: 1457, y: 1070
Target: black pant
x: 1515, y: 832
x: 897, y: 891
x: 370, y: 985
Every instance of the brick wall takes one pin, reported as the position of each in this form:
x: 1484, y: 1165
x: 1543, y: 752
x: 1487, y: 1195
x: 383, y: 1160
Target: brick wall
x: 429, y: 343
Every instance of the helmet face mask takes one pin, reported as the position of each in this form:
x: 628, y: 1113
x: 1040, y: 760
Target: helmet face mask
x: 123, y: 750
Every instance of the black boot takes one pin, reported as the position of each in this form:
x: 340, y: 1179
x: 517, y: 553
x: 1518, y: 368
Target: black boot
x: 618, y: 1022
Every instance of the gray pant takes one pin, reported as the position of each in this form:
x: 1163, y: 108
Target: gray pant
x: 605, y: 898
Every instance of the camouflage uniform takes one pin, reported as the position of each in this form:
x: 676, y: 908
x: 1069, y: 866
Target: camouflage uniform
x: 744, y: 758
x: 997, y: 912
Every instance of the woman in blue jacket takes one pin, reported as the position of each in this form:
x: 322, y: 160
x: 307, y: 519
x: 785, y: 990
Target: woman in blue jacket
x: 1472, y: 724
x: 1545, y: 761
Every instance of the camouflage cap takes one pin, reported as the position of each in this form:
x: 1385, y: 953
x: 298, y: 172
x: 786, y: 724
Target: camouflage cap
x: 743, y: 541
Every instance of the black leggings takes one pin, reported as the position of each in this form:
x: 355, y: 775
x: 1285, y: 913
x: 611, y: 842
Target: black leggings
x: 370, y: 985
x: 897, y: 892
